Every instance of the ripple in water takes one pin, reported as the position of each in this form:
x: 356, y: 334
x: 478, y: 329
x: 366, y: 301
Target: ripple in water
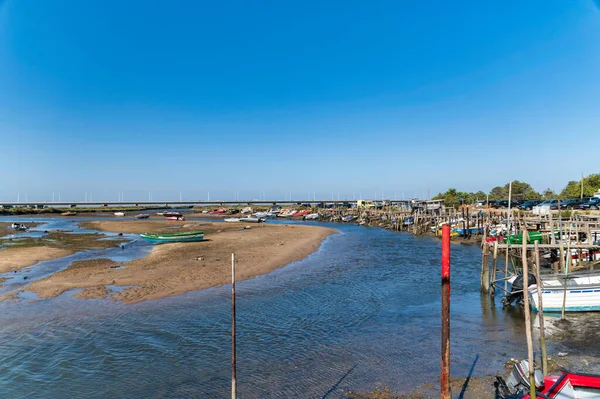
x: 369, y: 298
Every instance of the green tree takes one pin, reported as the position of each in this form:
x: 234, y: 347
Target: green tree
x: 497, y: 193
x: 591, y: 184
x: 549, y: 194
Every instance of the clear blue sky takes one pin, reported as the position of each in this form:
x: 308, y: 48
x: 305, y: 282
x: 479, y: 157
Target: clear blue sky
x: 317, y: 97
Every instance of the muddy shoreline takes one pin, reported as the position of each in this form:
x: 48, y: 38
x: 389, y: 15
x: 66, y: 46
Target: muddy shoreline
x: 178, y: 268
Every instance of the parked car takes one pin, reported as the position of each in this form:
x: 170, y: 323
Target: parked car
x: 528, y: 205
x: 552, y: 203
x: 504, y: 204
x: 594, y: 204
x: 575, y: 203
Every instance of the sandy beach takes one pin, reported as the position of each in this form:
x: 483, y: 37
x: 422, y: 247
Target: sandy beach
x: 177, y: 268
x: 18, y: 258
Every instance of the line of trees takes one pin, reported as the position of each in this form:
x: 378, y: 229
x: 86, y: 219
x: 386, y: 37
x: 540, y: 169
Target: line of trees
x: 522, y: 191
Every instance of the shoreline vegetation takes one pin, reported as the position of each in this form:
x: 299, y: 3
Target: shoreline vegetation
x: 175, y: 268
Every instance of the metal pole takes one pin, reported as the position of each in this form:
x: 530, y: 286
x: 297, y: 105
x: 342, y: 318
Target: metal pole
x: 445, y: 361
x: 233, y: 349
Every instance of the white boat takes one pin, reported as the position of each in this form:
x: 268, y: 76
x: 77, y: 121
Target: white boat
x: 18, y: 226
x: 275, y: 210
x: 252, y: 219
x: 260, y: 215
x: 159, y: 213
x: 231, y: 220
x: 311, y: 216
x: 181, y: 218
x: 142, y: 216
x: 246, y: 210
x: 120, y: 214
x: 582, y: 292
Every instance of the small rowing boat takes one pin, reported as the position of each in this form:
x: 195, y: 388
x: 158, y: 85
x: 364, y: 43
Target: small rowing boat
x: 231, y: 220
x: 175, y: 218
x: 120, y: 214
x: 68, y: 213
x: 142, y: 216
x: 252, y: 219
x: 171, y: 214
x: 162, y: 238
x: 19, y: 226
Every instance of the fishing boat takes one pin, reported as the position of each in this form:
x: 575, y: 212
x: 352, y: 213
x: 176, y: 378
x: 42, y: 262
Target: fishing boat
x: 275, y: 210
x: 18, y: 226
x: 231, y: 220
x: 472, y: 230
x: 162, y: 238
x: 142, y: 216
x: 580, y: 292
x: 518, y: 238
x: 311, y: 216
x: 252, y: 219
x: 301, y: 214
x: 120, y: 214
x: 565, y: 385
x: 171, y: 214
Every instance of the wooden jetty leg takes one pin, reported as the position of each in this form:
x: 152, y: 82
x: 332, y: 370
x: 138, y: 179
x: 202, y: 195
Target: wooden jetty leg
x: 541, y: 310
x: 485, y: 269
x: 495, y: 259
x: 528, y: 317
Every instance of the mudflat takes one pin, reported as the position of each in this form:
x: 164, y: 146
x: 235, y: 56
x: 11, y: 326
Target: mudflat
x: 177, y: 268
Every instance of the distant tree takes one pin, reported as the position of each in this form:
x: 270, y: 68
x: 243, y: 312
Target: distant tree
x: 497, y: 193
x: 591, y: 184
x: 522, y: 191
x: 549, y: 194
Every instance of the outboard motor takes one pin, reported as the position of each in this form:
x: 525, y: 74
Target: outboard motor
x: 516, y: 292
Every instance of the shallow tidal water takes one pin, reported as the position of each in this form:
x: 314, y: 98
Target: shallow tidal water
x: 363, y: 310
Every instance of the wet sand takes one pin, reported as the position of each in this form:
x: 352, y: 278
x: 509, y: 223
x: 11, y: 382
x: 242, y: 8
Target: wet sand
x: 18, y: 258
x: 177, y: 268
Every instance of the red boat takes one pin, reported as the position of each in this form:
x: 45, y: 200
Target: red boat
x: 301, y: 214
x: 172, y: 214
x: 218, y: 211
x: 566, y: 385
x: 175, y: 218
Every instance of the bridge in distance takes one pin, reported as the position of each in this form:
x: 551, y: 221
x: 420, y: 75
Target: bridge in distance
x: 74, y: 204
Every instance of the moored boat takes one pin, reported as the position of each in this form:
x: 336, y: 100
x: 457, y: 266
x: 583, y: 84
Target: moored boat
x: 565, y: 385
x: 231, y: 220
x: 120, y: 214
x: 311, y: 216
x: 18, y: 226
x: 532, y: 237
x: 181, y: 218
x: 171, y: 214
x: 252, y: 219
x: 142, y: 216
x: 579, y: 291
x: 162, y: 238
x: 69, y: 213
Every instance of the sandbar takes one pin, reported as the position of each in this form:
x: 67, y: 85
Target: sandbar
x: 177, y: 268
x: 18, y: 258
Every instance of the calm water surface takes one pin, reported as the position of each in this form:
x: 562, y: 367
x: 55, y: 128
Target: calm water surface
x: 367, y: 301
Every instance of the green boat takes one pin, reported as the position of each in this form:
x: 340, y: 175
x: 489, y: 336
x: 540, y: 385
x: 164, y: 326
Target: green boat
x: 531, y: 238
x: 162, y: 238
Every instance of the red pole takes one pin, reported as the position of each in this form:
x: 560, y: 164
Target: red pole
x: 445, y: 377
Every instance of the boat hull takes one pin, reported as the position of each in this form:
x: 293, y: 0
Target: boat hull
x: 582, y: 293
x: 173, y: 237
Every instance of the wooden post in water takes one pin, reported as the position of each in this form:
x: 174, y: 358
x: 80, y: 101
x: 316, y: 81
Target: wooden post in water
x: 445, y: 361
x: 528, y: 316
x: 541, y: 310
x: 233, y: 348
x: 485, y: 268
x: 493, y: 285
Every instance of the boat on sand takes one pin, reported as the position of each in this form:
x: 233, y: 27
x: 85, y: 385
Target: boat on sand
x: 162, y: 238
x: 142, y: 216
x: 231, y: 220
x: 252, y: 219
